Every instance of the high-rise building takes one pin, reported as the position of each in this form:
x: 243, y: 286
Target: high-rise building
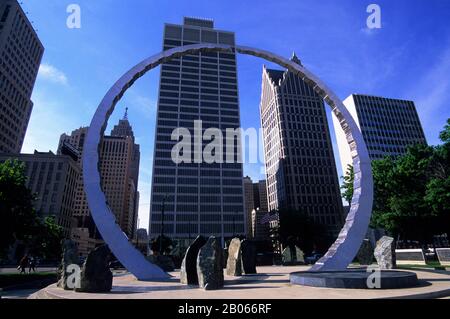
x: 119, y: 171
x: 249, y: 203
x: 260, y: 196
x: 20, y: 56
x: 388, y: 126
x: 198, y: 198
x: 300, y: 167
x: 260, y: 229
x: 255, y: 199
x: 53, y: 178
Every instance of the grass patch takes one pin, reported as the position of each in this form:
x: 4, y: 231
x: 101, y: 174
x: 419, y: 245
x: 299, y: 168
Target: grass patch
x: 7, y: 280
x: 430, y: 265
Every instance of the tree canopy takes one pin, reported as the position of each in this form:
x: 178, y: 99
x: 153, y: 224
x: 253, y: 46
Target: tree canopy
x: 20, y: 221
x: 412, y: 192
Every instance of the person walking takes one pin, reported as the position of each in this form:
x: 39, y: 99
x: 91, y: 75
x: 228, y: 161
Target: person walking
x: 23, y: 264
x: 32, y: 265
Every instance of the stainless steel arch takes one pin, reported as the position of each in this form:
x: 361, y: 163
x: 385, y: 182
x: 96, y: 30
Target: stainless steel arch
x: 341, y: 253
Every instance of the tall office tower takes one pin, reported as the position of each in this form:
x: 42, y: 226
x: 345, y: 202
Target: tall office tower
x: 119, y: 171
x: 260, y: 194
x: 260, y: 229
x: 20, y: 56
x: 300, y: 167
x: 202, y: 198
x: 53, y: 178
x: 124, y: 129
x: 388, y: 126
x: 249, y: 203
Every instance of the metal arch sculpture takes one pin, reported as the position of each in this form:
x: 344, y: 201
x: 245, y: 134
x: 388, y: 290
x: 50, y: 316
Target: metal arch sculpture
x: 341, y: 253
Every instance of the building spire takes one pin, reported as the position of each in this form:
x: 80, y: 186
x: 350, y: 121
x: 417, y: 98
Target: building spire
x: 125, y: 117
x: 295, y: 58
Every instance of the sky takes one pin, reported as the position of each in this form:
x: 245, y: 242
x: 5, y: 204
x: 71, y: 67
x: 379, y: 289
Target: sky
x: 407, y: 58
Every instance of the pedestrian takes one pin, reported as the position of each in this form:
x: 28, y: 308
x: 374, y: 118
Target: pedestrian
x: 23, y: 264
x: 32, y: 265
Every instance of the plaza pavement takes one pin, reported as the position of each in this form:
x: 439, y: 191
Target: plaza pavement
x: 12, y: 270
x: 269, y: 283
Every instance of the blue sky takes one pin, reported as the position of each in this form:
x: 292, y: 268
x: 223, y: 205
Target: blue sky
x: 409, y: 57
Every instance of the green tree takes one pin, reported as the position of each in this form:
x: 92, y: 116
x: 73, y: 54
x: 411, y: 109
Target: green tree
x: 297, y: 228
x: 412, y: 192
x: 400, y: 187
x: 16, y: 206
x: 20, y: 221
x: 347, y: 186
x: 47, y: 241
x: 167, y: 245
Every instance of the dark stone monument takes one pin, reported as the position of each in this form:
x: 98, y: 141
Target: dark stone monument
x: 210, y: 265
x: 385, y: 253
x: 248, y: 249
x: 365, y: 253
x: 188, y: 272
x: 96, y: 277
x: 234, y: 263
x: 69, y: 257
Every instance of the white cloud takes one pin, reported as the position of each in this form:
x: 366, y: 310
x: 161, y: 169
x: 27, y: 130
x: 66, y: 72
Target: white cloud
x: 50, y: 73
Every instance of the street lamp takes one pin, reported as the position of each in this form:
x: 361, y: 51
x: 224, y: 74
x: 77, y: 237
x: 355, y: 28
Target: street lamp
x: 162, y: 225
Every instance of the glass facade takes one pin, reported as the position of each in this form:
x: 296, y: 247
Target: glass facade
x: 204, y: 199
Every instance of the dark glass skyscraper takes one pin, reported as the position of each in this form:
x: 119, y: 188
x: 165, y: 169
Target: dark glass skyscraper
x: 300, y: 166
x: 197, y: 198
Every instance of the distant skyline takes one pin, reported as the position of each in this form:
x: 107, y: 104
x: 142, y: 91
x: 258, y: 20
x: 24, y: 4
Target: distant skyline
x: 408, y: 58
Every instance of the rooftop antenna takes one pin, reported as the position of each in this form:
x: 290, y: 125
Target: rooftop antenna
x: 125, y: 117
x: 295, y: 58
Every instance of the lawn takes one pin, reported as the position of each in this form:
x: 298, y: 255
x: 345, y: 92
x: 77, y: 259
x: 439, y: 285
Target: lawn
x: 27, y: 280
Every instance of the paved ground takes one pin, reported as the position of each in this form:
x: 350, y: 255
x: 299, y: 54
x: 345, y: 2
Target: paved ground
x: 18, y: 294
x: 270, y: 283
x: 11, y: 270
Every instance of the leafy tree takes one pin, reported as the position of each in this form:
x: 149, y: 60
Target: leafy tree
x: 296, y: 228
x: 19, y: 219
x: 347, y: 186
x: 400, y: 186
x: 167, y: 245
x: 16, y: 206
x: 412, y: 192
x: 47, y: 242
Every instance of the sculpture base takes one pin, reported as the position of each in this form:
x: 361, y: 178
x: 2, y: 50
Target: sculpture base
x: 355, y: 279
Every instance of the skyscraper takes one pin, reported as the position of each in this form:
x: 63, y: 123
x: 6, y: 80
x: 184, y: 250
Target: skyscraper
x: 388, y: 126
x: 300, y: 167
x: 249, y: 203
x: 198, y: 198
x: 20, y: 56
x: 255, y: 199
x: 260, y: 196
x: 119, y: 171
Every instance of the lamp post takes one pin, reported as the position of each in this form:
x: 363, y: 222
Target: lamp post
x: 162, y: 225
x: 234, y: 224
